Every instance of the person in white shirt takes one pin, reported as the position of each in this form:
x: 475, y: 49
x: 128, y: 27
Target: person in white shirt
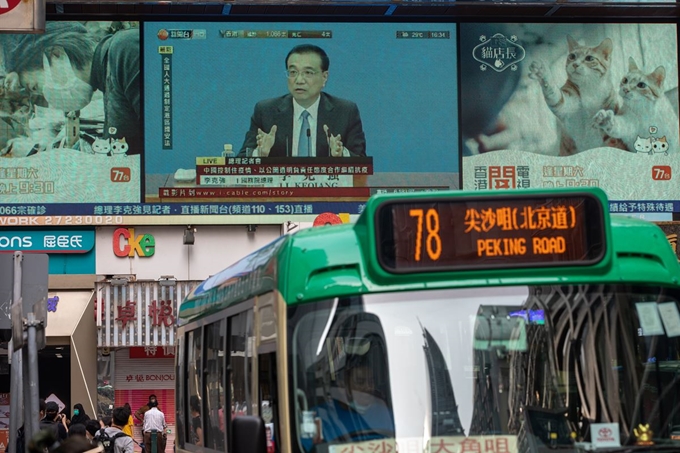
x: 154, y: 420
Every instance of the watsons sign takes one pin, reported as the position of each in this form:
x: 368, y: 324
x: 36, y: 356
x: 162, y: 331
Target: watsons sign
x: 47, y: 241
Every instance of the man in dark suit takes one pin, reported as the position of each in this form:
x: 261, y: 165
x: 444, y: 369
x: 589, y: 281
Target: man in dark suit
x: 306, y: 122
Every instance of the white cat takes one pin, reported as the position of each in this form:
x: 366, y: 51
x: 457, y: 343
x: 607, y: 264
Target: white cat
x: 644, y: 105
x: 588, y: 90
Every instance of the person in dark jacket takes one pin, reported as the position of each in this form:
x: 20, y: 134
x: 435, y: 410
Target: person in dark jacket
x: 79, y: 415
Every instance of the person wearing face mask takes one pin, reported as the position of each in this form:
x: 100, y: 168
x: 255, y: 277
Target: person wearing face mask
x: 358, y: 411
x: 79, y: 415
x: 66, y: 65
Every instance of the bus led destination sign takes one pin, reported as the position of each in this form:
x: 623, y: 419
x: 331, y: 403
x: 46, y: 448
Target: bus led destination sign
x: 487, y: 232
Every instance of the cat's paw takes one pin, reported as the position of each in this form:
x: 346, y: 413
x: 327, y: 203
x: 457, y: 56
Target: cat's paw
x: 604, y: 119
x: 539, y: 71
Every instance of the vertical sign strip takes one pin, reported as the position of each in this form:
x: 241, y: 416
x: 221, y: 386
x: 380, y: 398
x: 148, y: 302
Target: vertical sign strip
x: 166, y: 84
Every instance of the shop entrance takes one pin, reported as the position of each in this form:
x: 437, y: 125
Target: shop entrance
x: 54, y: 370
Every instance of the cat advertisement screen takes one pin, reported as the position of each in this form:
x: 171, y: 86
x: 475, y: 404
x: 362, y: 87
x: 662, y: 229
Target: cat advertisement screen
x: 572, y: 105
x: 271, y: 112
x: 70, y: 126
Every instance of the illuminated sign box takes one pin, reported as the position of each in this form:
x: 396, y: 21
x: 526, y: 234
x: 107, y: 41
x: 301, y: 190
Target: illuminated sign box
x: 478, y: 232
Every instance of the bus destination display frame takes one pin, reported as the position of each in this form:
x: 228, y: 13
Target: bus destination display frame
x: 483, y: 232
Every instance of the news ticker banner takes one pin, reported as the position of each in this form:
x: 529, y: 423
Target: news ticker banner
x: 77, y: 214
x: 109, y: 214
x: 538, y: 131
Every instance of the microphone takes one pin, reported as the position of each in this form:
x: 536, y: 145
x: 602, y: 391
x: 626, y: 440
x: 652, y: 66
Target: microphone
x: 309, y: 141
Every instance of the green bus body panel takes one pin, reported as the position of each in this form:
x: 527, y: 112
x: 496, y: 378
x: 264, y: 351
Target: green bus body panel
x: 334, y: 261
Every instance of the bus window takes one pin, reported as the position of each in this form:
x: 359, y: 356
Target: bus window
x: 346, y: 394
x: 180, y: 377
x: 194, y: 376
x: 215, y: 335
x: 268, y: 402
x: 241, y: 363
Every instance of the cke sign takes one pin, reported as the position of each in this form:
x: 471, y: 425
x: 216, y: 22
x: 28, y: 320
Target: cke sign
x: 125, y: 243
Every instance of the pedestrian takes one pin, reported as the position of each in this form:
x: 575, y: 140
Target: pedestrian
x: 139, y: 415
x: 154, y: 420
x: 79, y: 415
x: 54, y: 421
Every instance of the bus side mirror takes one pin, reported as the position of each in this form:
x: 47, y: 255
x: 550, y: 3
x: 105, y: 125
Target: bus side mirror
x: 248, y: 435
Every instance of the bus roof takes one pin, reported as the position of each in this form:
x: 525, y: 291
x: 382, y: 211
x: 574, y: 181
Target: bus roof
x: 333, y: 261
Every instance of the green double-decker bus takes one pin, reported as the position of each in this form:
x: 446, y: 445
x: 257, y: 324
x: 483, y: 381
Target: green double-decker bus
x: 491, y: 322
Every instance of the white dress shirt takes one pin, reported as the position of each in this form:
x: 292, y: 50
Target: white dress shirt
x: 154, y: 419
x: 297, y: 124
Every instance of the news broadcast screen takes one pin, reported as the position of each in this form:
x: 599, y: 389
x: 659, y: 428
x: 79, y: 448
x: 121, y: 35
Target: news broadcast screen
x: 336, y: 111
x: 573, y: 105
x: 70, y: 115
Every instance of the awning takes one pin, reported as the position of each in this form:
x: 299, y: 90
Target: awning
x: 65, y: 309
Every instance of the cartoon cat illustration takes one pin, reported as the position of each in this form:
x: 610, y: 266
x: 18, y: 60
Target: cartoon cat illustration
x: 643, y: 145
x: 101, y: 146
x: 119, y: 147
x: 660, y: 145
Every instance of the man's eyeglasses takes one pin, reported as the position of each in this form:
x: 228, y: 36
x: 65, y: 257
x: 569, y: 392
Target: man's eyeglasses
x: 306, y: 74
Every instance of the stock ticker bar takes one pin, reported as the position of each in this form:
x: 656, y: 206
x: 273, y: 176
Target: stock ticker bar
x: 277, y: 34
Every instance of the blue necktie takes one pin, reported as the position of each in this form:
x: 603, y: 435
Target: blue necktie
x: 303, y: 141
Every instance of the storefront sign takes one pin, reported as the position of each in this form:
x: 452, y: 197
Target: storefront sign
x: 152, y: 352
x: 126, y: 243
x: 59, y: 241
x: 139, y: 315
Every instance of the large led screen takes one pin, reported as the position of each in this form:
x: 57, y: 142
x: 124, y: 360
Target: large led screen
x: 70, y: 125
x: 224, y: 123
x: 571, y: 105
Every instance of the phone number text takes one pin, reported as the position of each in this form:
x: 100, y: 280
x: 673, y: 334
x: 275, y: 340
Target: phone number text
x: 62, y: 220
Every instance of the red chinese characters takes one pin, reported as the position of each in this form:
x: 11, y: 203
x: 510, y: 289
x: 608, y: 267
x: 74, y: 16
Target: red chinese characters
x: 160, y: 313
x: 127, y: 313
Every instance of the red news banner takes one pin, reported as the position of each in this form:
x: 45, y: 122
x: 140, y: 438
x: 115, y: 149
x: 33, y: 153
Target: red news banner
x: 296, y: 177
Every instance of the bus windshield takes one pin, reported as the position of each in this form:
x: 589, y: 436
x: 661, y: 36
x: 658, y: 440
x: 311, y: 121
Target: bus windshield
x: 505, y: 369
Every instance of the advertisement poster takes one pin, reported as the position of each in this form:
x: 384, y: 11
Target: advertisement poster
x: 572, y: 105
x: 388, y: 104
x: 70, y: 124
